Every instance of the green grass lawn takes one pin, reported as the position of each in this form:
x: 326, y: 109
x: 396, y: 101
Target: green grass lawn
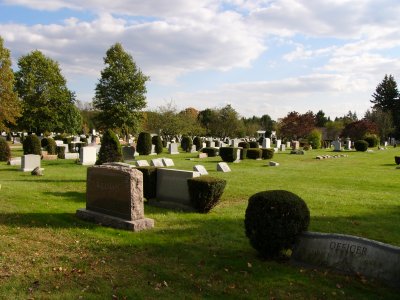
x: 47, y: 253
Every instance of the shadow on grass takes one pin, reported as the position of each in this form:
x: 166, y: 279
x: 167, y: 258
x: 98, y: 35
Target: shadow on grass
x: 78, y: 197
x: 42, y: 179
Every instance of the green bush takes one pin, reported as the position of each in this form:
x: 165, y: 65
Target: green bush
x: 186, y: 143
x: 143, y: 145
x: 149, y: 181
x: 212, y: 152
x: 205, y: 192
x: 51, y: 146
x: 267, y: 153
x: 315, y: 138
x: 254, y: 153
x: 197, y: 141
x: 5, y: 151
x: 243, y: 153
x: 9, y: 137
x: 60, y: 152
x: 110, y: 150
x: 244, y: 145
x: 361, y: 145
x: 372, y: 140
x: 254, y: 145
x: 157, y: 142
x: 273, y: 221
x: 397, y: 160
x: 44, y: 142
x: 32, y: 145
x: 228, y: 154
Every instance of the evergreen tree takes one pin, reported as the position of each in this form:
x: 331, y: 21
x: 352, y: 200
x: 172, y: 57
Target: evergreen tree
x: 120, y: 92
x: 10, y: 107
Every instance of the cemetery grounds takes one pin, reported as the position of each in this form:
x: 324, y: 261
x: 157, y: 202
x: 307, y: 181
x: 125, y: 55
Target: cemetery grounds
x: 48, y: 253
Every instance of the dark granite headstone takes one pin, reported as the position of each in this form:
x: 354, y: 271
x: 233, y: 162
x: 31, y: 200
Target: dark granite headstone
x: 114, y: 197
x: 349, y: 254
x: 128, y: 153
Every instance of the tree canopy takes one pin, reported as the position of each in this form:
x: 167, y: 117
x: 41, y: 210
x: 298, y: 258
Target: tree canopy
x: 120, y: 92
x: 48, y: 105
x: 10, y: 106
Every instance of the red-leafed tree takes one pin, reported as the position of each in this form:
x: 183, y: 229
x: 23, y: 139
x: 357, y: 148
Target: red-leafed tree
x: 295, y: 125
x: 359, y: 129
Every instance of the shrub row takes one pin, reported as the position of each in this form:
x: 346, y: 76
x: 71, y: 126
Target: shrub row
x: 229, y: 154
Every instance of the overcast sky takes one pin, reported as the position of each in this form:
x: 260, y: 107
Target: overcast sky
x: 260, y: 56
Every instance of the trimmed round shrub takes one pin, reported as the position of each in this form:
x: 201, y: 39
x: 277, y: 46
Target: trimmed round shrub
x: 307, y: 147
x: 143, y: 145
x: 228, y: 154
x: 51, y: 146
x: 254, y: 145
x: 274, y: 220
x: 60, y: 152
x: 5, y: 151
x: 397, y: 160
x: 372, y: 140
x: 267, y: 153
x: 211, y: 152
x: 44, y: 142
x: 197, y: 141
x: 315, y: 138
x: 186, y: 143
x: 361, y: 145
x: 32, y: 145
x: 110, y: 150
x: 156, y: 140
x: 244, y: 145
x: 254, y: 153
x: 149, y: 181
x: 205, y: 192
x: 243, y: 153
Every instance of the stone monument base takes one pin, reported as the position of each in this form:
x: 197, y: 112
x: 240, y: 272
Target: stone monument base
x: 106, y: 220
x: 171, y: 205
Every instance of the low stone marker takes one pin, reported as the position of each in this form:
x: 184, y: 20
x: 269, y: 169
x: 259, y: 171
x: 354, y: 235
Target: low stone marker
x: 14, y: 161
x: 223, y: 167
x: 29, y: 162
x: 201, y: 169
x: 114, y: 197
x: 172, y: 189
x: 156, y: 162
x: 142, y: 163
x: 167, y: 162
x: 349, y: 254
x: 71, y: 156
x: 203, y: 155
x: 273, y: 164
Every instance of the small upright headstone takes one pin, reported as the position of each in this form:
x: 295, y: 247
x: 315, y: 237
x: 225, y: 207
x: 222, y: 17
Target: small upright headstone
x: 201, y: 169
x: 193, y: 149
x: 114, y: 197
x: 173, y: 148
x: 87, y: 156
x: 266, y: 143
x: 337, y: 146
x: 283, y: 147
x: 295, y: 145
x: 288, y: 145
x: 153, y: 150
x: 223, y: 167
x: 203, y: 155
x: 128, y: 153
x: 278, y: 143
x: 29, y: 162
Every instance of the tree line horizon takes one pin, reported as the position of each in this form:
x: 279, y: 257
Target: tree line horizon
x: 35, y: 98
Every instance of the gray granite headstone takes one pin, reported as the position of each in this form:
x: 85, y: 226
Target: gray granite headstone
x: 87, y: 156
x: 114, y: 197
x: 142, y: 163
x: 349, y: 254
x: 223, y: 167
x: 156, y: 162
x: 201, y: 169
x: 29, y: 162
x: 173, y: 148
x: 128, y: 153
x: 167, y: 162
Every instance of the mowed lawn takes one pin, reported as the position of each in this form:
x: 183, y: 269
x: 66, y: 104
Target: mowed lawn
x: 47, y: 253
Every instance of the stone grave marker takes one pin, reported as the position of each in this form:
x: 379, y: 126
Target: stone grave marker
x: 156, y: 162
x: 128, y: 153
x: 87, y: 156
x: 71, y: 156
x: 167, y: 162
x: 203, y: 155
x: 278, y: 143
x: 153, y: 150
x: 29, y: 162
x: 337, y: 146
x: 172, y: 188
x: 201, y: 169
x: 114, y: 197
x: 223, y: 167
x: 142, y: 163
x: 266, y: 143
x: 193, y: 149
x: 273, y: 164
x: 288, y: 145
x: 173, y: 148
x: 295, y: 145
x: 283, y: 147
x: 14, y: 161
x: 349, y: 254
